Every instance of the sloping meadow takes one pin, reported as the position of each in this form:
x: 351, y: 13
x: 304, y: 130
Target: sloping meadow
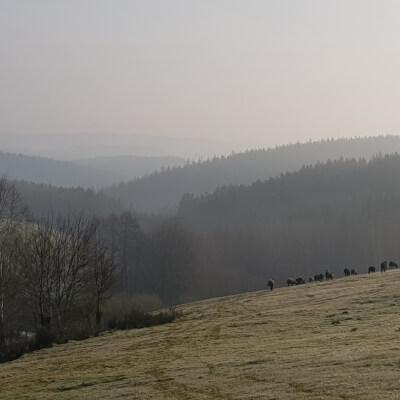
x: 336, y: 340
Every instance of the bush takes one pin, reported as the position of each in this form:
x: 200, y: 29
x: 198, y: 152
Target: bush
x: 122, y: 319
x: 44, y: 338
x: 13, y: 351
x: 138, y: 319
x: 82, y: 333
x: 146, y: 302
x: 121, y: 304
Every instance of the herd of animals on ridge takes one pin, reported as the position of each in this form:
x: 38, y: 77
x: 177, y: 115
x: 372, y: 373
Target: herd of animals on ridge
x: 329, y: 275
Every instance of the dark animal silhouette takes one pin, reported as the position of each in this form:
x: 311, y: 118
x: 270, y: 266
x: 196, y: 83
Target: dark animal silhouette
x: 270, y: 284
x: 300, y: 281
x: 371, y: 270
x: 392, y: 265
x: 310, y: 279
x: 328, y: 275
x: 383, y: 266
x: 290, y: 282
x: 346, y: 272
x: 318, y: 277
x: 353, y: 272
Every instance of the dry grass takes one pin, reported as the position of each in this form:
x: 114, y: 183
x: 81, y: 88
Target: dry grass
x: 331, y: 340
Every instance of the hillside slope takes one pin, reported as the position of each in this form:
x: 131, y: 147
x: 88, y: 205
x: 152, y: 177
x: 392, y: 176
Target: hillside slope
x: 336, y: 340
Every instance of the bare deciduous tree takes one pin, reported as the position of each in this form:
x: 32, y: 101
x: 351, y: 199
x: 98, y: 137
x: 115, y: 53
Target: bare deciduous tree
x: 11, y: 211
x: 61, y: 258
x: 100, y: 280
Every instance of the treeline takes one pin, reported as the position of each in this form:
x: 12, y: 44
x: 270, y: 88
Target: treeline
x: 42, y: 198
x: 162, y: 191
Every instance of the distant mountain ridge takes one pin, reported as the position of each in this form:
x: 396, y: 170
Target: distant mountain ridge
x: 55, y: 172
x: 70, y: 146
x: 129, y: 167
x: 163, y: 190
x: 90, y: 173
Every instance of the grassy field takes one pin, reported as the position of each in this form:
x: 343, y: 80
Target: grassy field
x: 330, y: 340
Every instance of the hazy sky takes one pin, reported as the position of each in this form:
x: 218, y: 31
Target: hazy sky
x: 256, y: 71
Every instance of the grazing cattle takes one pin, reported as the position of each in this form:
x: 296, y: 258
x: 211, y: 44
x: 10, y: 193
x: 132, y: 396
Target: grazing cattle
x: 319, y: 277
x: 328, y: 275
x: 300, y: 281
x: 311, y: 279
x: 353, y: 272
x: 371, y: 270
x: 392, y: 265
x: 270, y: 284
x: 383, y: 266
x: 290, y: 282
x: 346, y: 272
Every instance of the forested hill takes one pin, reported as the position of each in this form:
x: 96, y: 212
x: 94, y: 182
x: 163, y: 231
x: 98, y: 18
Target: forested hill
x: 40, y: 199
x: 333, y: 215
x: 319, y: 192
x: 164, y: 189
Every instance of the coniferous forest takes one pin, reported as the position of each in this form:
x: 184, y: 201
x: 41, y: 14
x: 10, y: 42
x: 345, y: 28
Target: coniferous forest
x: 162, y: 190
